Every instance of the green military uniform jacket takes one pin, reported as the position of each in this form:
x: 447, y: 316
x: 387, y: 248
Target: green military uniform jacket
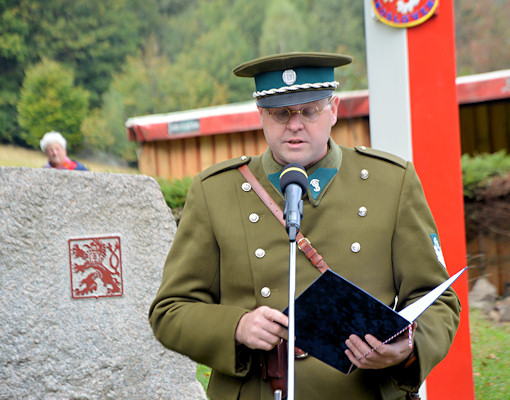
x: 365, y: 212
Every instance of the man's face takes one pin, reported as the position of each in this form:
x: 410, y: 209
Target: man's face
x: 56, y: 154
x: 299, y: 140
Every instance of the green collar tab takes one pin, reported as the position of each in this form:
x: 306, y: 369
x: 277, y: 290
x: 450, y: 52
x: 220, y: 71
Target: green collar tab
x: 319, y: 180
x: 320, y: 174
x: 316, y: 181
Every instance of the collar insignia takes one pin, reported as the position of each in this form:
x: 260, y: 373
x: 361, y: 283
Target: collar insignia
x: 315, y: 184
x: 316, y: 181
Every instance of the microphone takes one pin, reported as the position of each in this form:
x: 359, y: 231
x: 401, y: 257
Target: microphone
x: 293, y: 182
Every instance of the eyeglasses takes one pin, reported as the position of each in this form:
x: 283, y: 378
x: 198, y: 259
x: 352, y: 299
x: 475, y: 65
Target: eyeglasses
x: 308, y: 113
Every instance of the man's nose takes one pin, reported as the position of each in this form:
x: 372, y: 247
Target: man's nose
x: 295, y: 120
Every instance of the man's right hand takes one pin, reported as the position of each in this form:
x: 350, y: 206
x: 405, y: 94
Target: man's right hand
x: 262, y: 328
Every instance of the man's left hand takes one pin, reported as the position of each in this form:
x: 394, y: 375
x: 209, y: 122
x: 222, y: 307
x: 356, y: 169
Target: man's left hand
x: 371, y: 353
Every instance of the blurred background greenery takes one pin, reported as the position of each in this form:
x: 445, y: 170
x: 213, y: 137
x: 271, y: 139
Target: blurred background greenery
x: 83, y: 67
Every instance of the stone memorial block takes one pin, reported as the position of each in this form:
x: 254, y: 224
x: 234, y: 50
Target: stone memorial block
x: 81, y: 258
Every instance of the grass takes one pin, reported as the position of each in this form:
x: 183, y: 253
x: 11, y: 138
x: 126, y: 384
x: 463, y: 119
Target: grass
x: 14, y: 156
x: 203, y: 375
x: 491, y: 357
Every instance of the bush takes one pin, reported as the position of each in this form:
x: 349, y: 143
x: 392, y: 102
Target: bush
x: 104, y: 130
x: 175, y: 191
x: 478, y: 170
x: 50, y: 101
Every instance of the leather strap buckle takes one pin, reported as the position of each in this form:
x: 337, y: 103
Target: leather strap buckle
x: 299, y: 243
x: 299, y: 354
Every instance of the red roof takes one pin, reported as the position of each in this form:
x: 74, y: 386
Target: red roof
x: 244, y: 117
x: 483, y: 87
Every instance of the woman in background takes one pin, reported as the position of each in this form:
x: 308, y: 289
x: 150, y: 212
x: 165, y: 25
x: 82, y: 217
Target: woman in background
x: 53, y: 144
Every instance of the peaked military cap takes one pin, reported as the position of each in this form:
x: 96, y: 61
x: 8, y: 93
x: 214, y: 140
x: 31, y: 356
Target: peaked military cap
x: 288, y: 79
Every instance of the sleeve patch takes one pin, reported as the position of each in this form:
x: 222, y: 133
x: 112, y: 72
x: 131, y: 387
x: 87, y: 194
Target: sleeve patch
x: 437, y: 249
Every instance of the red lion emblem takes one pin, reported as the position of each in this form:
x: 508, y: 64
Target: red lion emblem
x: 94, y: 277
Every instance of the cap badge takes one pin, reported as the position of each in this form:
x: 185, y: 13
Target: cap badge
x: 289, y: 77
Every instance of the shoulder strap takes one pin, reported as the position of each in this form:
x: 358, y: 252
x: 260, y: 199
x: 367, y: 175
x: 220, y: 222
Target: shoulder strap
x: 303, y: 243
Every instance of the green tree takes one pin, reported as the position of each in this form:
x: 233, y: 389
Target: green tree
x: 212, y: 38
x: 50, y: 101
x: 150, y: 83
x: 147, y: 84
x: 153, y: 15
x: 204, y: 70
x: 14, y: 29
x: 8, y: 98
x: 184, y: 29
x: 338, y: 27
x: 92, y: 37
x: 482, y: 32
x: 284, y: 29
x: 103, y: 130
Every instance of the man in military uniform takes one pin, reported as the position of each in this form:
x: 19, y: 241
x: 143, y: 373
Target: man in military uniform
x: 225, y: 281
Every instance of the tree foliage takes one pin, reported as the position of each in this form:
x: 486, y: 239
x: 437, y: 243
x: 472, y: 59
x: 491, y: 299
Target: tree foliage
x: 104, y: 131
x: 339, y: 27
x: 159, y: 56
x: 483, y: 35
x: 91, y: 37
x: 284, y: 29
x: 14, y: 29
x: 50, y: 101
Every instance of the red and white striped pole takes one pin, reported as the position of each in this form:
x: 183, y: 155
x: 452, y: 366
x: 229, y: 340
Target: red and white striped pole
x: 414, y: 114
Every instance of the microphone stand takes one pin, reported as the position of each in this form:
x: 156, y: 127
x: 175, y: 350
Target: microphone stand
x: 292, y: 326
x: 293, y: 181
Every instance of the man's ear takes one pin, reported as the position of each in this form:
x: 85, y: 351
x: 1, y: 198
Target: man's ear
x: 261, y: 115
x: 335, y: 101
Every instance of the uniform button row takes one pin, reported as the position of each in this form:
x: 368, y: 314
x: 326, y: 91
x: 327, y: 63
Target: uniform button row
x: 355, y: 248
x: 266, y: 292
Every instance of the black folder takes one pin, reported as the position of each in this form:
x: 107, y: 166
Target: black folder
x: 332, y: 308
